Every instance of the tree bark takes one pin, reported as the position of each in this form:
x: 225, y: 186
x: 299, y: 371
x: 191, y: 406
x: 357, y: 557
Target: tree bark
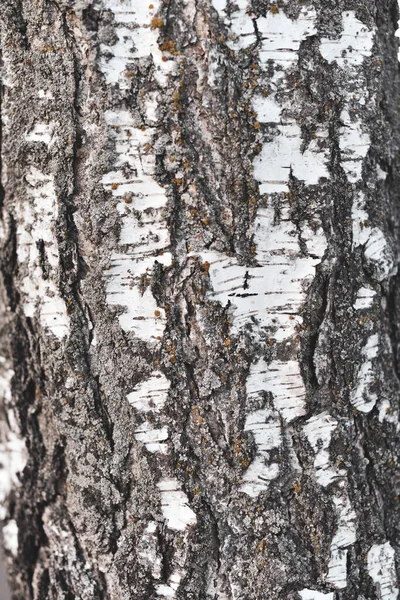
x: 200, y: 299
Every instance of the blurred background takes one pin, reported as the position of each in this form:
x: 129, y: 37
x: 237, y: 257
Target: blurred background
x: 4, y: 591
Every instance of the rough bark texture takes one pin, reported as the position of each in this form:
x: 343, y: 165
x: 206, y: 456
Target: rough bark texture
x: 200, y: 300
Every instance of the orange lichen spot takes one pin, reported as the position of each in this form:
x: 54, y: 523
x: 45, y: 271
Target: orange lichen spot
x: 169, y: 46
x: 164, y: 58
x: 151, y: 6
x: 227, y: 342
x: 260, y: 546
x: 205, y: 268
x: 172, y: 359
x: 297, y: 488
x: 128, y: 200
x: 177, y: 180
x: 245, y: 463
x: 128, y: 133
x: 236, y: 447
x: 114, y: 186
x: 274, y: 9
x: 156, y: 23
x: 157, y: 313
x: 196, y: 491
x: 257, y: 125
x: 128, y: 73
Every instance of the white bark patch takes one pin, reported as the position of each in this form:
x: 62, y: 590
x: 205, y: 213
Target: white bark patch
x: 41, y: 132
x: 319, y: 431
x: 274, y: 292
x: 354, y: 145
x: 219, y: 5
x: 175, y: 505
x: 365, y: 298
x: 165, y: 591
x: 13, y: 461
x: 281, y: 39
x: 314, y: 595
x: 398, y: 31
x: 382, y: 570
x: 283, y: 156
x: 266, y: 430
x: 36, y: 219
x: 283, y: 380
x: 142, y: 314
x: 242, y: 32
x: 152, y: 438
x: 354, y: 44
x: 362, y: 398
x: 10, y: 537
x: 136, y: 39
x: 142, y: 205
x: 376, y: 249
x: 148, y: 552
x: 12, y: 446
x: 151, y: 394
x: 349, y: 51
x: 378, y: 252
x: 142, y: 201
x: 169, y: 591
x: 345, y: 536
x: 271, y: 295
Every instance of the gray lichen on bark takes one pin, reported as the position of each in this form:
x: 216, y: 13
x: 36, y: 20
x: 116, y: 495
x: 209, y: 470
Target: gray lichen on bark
x: 200, y: 299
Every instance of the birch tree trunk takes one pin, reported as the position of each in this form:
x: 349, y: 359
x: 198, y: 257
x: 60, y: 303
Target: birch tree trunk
x: 200, y: 299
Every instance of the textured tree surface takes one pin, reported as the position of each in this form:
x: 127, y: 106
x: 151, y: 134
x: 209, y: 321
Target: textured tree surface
x: 200, y: 300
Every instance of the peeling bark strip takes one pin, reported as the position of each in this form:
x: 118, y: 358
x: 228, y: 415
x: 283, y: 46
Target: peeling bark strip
x: 200, y: 299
